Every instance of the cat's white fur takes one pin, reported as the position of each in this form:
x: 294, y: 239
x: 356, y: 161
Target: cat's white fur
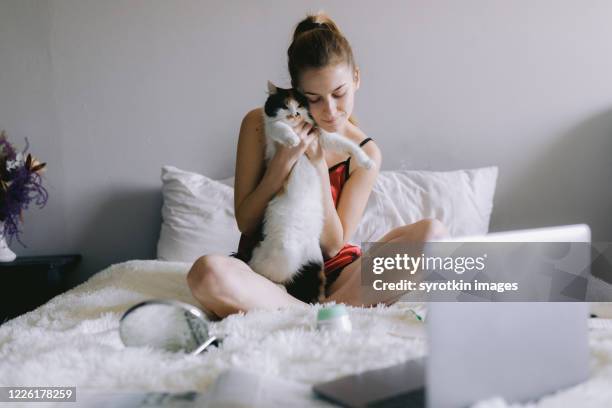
x: 293, y: 220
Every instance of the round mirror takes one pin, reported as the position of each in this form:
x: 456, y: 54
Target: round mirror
x: 166, y: 324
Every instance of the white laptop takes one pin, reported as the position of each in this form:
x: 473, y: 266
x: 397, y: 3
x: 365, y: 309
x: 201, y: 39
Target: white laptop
x: 518, y: 351
x: 524, y: 350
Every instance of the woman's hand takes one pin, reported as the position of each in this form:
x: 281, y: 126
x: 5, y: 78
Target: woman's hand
x: 307, y: 135
x: 314, y: 151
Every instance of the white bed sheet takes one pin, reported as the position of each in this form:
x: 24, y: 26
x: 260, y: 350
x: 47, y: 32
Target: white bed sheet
x: 73, y: 341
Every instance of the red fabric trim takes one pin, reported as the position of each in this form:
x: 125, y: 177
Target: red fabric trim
x: 337, y: 178
x: 349, y: 253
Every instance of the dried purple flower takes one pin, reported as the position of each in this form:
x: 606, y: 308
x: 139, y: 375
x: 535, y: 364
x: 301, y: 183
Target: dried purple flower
x: 20, y: 186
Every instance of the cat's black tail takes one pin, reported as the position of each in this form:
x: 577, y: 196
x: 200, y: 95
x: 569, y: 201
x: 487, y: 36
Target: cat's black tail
x: 309, y: 283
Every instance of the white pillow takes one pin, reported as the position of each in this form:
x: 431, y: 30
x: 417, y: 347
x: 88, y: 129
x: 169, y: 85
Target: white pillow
x: 198, y: 212
x: 461, y: 199
x: 197, y: 217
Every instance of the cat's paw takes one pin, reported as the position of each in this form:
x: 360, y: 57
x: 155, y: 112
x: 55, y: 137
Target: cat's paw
x: 294, y: 142
x: 364, y: 161
x: 291, y: 140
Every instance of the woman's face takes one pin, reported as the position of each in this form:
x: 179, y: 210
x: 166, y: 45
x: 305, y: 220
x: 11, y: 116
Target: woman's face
x: 331, y: 94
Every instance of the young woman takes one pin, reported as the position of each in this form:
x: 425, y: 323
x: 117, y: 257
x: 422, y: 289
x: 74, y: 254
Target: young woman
x: 322, y: 68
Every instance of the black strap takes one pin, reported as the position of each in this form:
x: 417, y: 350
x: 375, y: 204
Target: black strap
x: 364, y: 141
x: 348, y: 161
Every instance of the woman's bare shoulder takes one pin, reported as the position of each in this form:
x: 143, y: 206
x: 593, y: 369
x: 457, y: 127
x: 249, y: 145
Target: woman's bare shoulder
x: 252, y: 127
x: 357, y: 135
x: 254, y: 117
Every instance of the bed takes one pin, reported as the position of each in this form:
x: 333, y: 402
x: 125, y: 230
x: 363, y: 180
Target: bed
x: 73, y: 339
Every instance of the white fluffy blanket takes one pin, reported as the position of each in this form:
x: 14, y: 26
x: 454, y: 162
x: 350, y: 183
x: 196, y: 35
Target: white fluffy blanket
x: 73, y: 340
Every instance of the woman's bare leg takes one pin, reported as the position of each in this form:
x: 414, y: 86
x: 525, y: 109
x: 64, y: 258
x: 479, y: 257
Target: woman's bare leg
x: 226, y: 285
x: 347, y: 288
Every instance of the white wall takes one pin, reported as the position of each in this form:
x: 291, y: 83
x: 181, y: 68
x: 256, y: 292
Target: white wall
x: 109, y: 91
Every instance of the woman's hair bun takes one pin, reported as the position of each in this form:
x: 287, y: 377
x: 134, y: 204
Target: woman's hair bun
x: 319, y: 20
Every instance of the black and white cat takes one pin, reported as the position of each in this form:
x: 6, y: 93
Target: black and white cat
x: 293, y: 220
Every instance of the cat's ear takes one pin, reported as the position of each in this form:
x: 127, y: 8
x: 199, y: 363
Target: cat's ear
x: 272, y: 88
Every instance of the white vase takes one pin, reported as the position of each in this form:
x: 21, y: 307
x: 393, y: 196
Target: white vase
x: 6, y: 255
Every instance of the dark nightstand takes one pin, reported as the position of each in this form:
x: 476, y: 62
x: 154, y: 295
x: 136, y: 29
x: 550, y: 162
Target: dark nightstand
x: 30, y: 281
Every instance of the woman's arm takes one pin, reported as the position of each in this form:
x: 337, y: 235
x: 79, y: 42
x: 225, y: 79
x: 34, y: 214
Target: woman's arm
x: 256, y: 184
x: 332, y: 236
x: 341, y: 222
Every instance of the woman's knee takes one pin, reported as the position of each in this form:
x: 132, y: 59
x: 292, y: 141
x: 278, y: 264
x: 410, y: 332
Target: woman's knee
x: 206, y: 274
x: 432, y: 228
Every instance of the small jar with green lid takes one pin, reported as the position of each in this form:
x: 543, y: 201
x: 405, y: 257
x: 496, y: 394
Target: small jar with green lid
x: 334, y: 317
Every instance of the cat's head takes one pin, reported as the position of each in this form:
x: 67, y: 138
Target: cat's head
x: 287, y: 104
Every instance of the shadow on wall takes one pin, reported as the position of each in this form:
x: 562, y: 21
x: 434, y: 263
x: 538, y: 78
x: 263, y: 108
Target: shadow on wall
x: 125, y: 226
x: 567, y: 182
